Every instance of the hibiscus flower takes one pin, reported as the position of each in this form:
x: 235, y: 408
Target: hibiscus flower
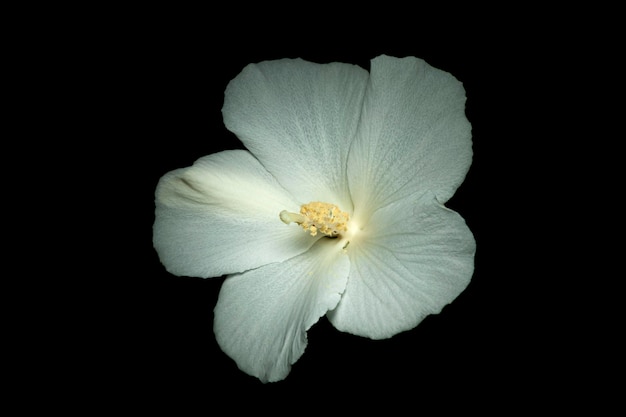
x: 336, y: 207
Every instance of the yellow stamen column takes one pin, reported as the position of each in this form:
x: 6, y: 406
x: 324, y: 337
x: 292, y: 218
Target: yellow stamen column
x: 316, y: 217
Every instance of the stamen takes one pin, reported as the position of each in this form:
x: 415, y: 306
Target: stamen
x: 315, y: 217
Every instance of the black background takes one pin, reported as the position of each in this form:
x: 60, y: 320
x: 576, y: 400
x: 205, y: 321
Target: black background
x: 498, y: 339
x: 103, y: 100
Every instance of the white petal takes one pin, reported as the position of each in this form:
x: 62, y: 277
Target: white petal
x: 262, y: 316
x: 415, y: 257
x: 413, y: 136
x: 221, y: 215
x: 298, y: 118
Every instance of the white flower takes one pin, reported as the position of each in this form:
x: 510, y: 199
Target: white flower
x: 363, y: 162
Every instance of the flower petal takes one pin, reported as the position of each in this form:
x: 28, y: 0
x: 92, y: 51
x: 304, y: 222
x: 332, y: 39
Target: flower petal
x: 414, y: 259
x: 413, y: 135
x: 262, y: 316
x: 221, y: 215
x: 298, y: 118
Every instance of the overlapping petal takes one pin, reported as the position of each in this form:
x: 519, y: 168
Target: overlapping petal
x: 221, y: 216
x: 298, y: 118
x: 262, y: 316
x: 414, y: 257
x: 413, y: 135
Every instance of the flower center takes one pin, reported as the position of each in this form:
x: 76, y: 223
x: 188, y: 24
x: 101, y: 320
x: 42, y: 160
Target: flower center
x: 318, y: 217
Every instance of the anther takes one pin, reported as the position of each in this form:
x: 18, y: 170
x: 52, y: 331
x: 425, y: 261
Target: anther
x: 315, y: 217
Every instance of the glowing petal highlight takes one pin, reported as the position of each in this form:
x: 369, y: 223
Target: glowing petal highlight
x: 416, y: 257
x: 220, y: 216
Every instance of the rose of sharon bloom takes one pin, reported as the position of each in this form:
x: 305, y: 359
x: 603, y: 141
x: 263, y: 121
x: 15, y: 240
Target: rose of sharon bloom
x: 336, y: 208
